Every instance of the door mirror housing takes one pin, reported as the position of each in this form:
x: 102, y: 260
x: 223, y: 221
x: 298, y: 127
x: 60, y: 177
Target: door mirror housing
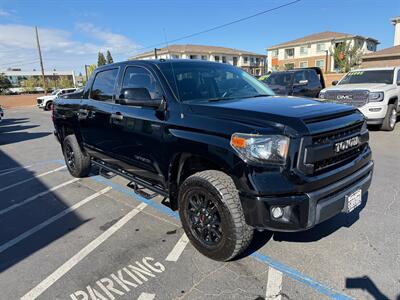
x: 138, y: 97
x: 301, y: 83
x: 335, y: 82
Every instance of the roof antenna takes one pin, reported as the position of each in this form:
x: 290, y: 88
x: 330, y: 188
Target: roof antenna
x: 173, y: 73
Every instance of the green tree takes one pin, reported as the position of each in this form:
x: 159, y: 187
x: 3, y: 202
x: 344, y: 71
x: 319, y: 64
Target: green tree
x: 346, y: 56
x: 90, y: 69
x: 63, y: 82
x: 4, y: 82
x: 109, y: 57
x: 31, y: 83
x: 101, y: 60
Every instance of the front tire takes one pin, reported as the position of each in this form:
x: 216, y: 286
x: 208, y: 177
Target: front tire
x: 49, y: 105
x: 212, y: 215
x: 389, y: 123
x: 78, y: 162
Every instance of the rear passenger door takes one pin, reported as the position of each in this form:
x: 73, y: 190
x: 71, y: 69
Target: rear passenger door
x: 300, y: 84
x: 95, y: 114
x: 314, y: 84
x: 140, y: 129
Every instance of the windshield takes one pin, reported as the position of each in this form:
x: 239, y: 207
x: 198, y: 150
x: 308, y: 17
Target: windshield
x: 211, y: 81
x: 55, y: 92
x: 379, y: 76
x: 281, y: 79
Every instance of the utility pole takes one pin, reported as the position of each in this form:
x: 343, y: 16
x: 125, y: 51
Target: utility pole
x: 86, y: 72
x: 155, y: 52
x: 41, y: 60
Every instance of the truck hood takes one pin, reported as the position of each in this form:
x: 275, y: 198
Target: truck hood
x: 361, y: 86
x: 271, y: 111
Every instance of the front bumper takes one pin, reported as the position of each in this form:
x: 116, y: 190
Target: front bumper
x: 304, y: 211
x: 40, y: 103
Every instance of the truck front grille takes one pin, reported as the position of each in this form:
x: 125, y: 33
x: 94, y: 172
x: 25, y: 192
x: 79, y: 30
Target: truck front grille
x: 356, y: 98
x: 320, y: 155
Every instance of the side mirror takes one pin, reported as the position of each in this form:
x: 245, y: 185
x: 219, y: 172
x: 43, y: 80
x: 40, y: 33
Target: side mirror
x: 301, y: 83
x: 138, y: 97
x: 335, y: 82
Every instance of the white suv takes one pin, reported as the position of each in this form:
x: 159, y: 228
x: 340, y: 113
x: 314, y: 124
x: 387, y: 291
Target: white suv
x: 375, y: 92
x: 46, y: 102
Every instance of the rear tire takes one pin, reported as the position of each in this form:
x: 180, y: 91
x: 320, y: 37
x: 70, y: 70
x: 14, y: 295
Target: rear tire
x: 389, y: 123
x: 212, y: 216
x: 78, y: 162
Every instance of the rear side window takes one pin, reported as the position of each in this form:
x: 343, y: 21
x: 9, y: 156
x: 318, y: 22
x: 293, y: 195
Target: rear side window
x: 103, y: 85
x: 313, y: 77
x: 137, y: 77
x: 299, y: 76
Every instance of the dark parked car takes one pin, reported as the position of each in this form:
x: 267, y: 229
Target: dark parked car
x: 1, y: 113
x: 307, y: 82
x: 229, y: 154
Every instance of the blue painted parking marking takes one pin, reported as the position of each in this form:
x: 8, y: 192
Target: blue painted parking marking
x: 288, y: 271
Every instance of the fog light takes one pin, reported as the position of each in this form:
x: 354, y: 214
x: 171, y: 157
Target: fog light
x: 277, y: 212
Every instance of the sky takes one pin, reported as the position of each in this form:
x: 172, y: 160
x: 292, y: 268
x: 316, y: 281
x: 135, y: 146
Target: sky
x: 73, y: 32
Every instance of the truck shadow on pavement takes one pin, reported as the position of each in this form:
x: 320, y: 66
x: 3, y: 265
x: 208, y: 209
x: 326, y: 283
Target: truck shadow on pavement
x: 17, y: 221
x: 11, y: 131
x: 366, y: 284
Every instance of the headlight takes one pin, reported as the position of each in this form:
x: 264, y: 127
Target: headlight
x: 376, y: 96
x: 321, y: 94
x: 261, y: 148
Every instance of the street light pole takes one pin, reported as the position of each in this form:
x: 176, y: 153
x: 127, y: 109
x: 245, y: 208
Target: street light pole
x: 155, y: 52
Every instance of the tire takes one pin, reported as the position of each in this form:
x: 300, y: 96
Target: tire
x: 222, y: 204
x: 48, y: 106
x: 389, y: 123
x: 78, y: 163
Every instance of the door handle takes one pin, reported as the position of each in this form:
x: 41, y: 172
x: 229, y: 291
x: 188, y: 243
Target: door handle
x: 117, y: 116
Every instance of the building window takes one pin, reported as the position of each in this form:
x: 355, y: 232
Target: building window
x: 257, y: 60
x: 246, y: 59
x: 289, y: 66
x: 371, y: 47
x: 175, y: 56
x: 235, y: 61
x: 275, y: 53
x: 252, y: 59
x: 320, y: 47
x: 204, y: 57
x: 224, y: 59
x: 289, y: 53
x: 304, y: 64
x: 320, y: 63
x: 193, y: 56
x: 216, y: 58
x: 303, y: 50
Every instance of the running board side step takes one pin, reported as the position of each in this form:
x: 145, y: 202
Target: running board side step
x: 136, y: 183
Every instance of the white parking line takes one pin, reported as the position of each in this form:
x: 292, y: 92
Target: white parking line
x: 31, y: 178
x: 274, y: 285
x: 146, y: 296
x: 34, y: 197
x: 51, y: 220
x: 178, y: 249
x: 68, y: 265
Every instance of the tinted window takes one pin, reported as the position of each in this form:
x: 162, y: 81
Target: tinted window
x: 103, y: 85
x: 398, y: 76
x: 379, y: 76
x: 282, y: 79
x: 207, y: 81
x: 136, y: 77
x: 299, y: 76
x: 313, y: 77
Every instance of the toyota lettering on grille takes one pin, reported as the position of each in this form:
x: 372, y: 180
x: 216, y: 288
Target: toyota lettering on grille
x: 347, y: 144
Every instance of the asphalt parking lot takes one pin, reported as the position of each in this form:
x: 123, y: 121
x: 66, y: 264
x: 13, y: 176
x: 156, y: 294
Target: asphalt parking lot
x: 94, y: 238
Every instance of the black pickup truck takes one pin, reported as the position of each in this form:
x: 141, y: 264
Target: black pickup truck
x: 229, y: 154
x: 305, y: 82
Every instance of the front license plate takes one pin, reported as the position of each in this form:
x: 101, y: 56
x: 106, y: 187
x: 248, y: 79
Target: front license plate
x: 353, y: 200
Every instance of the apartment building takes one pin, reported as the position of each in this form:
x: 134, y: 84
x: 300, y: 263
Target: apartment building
x: 389, y: 57
x: 315, y: 50
x: 252, y: 63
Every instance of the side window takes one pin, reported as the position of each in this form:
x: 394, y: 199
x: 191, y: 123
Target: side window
x: 398, y: 77
x: 103, y: 85
x: 313, y: 77
x: 137, y: 77
x: 299, y: 76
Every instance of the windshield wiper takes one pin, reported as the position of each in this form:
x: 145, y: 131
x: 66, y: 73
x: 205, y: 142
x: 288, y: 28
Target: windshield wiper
x: 220, y: 99
x: 259, y: 95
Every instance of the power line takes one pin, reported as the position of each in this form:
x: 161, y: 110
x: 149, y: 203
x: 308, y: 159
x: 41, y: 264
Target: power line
x: 19, y: 61
x: 220, y: 26
x: 24, y: 64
